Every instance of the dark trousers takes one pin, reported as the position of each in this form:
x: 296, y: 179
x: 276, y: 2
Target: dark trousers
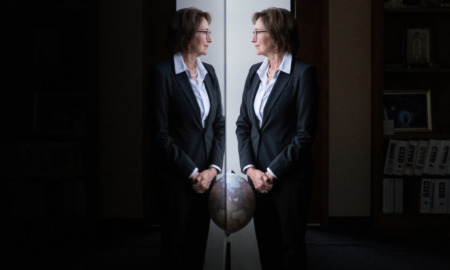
x: 280, y: 225
x: 184, y: 227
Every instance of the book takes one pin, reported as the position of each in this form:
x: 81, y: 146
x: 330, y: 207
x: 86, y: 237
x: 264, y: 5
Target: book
x: 448, y: 201
x: 388, y: 195
x: 411, y: 156
x: 447, y: 171
x: 426, y: 195
x: 391, y: 155
x: 440, y: 196
x: 421, y: 157
x: 444, y: 157
x: 448, y: 168
x: 400, y: 157
x: 398, y: 195
x: 392, y: 195
x: 432, y: 157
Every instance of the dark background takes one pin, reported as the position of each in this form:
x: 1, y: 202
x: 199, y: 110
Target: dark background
x: 51, y: 191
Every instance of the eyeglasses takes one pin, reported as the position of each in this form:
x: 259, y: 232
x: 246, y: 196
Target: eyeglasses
x: 256, y: 32
x: 206, y: 32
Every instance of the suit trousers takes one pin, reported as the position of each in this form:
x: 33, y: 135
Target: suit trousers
x: 280, y: 225
x: 184, y: 226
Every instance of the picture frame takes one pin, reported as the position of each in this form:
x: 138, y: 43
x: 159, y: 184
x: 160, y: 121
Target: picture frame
x: 410, y: 110
x: 59, y: 112
x: 418, y: 46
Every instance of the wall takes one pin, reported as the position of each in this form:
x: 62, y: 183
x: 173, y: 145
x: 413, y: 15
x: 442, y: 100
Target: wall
x: 349, y: 108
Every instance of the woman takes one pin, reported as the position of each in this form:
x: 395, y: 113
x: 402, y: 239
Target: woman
x: 275, y: 131
x: 189, y: 138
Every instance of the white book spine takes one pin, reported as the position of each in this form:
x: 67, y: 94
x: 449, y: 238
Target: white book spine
x: 398, y: 195
x: 425, y: 195
x: 440, y: 196
x: 411, y: 157
x: 432, y: 157
x: 421, y: 157
x: 390, y: 157
x: 443, y: 159
x: 448, y: 168
x: 388, y: 195
x: 399, y: 168
x: 448, y: 198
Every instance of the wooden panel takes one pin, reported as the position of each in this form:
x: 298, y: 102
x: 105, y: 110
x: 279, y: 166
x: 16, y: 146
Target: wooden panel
x: 312, y: 18
x: 157, y: 17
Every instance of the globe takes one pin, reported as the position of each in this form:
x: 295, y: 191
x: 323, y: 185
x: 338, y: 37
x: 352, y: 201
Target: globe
x: 231, y: 203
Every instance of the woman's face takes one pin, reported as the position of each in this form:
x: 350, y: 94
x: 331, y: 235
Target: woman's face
x: 264, y: 44
x: 201, y: 40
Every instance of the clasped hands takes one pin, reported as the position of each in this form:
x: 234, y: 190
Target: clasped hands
x: 263, y: 181
x: 202, y: 180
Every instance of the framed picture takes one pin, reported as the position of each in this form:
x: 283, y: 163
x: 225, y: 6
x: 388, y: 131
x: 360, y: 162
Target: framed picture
x: 59, y: 112
x: 409, y: 109
x: 418, y: 46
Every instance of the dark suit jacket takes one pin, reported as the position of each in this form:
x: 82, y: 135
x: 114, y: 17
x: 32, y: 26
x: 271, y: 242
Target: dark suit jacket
x: 283, y: 143
x: 182, y: 143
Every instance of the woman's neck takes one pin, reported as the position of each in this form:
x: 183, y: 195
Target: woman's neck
x: 275, y: 61
x: 190, y: 61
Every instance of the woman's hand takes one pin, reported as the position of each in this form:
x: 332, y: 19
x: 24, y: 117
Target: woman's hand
x: 260, y: 180
x: 270, y: 177
x: 202, y: 180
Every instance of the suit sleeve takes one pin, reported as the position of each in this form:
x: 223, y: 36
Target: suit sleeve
x: 165, y: 144
x: 306, y: 116
x: 244, y: 127
x: 218, y: 147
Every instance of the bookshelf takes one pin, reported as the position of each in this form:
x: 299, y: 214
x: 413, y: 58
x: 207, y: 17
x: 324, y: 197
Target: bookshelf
x: 49, y: 114
x: 409, y: 54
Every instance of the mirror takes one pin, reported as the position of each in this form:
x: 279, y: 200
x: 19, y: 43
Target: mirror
x: 232, y: 54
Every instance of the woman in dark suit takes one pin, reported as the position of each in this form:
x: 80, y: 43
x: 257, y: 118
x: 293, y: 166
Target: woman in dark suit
x: 189, y: 138
x: 275, y: 130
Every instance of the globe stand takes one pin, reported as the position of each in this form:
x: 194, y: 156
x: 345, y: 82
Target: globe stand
x: 231, y: 205
x: 228, y: 255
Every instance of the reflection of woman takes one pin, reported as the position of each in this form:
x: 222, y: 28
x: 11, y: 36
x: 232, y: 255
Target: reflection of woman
x: 190, y: 140
x: 275, y: 130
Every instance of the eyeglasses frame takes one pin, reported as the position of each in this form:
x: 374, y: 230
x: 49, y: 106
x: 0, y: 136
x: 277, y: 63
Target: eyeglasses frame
x: 256, y: 32
x: 206, y: 32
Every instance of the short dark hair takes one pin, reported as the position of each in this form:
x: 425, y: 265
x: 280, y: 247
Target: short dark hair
x: 185, y: 24
x: 282, y: 27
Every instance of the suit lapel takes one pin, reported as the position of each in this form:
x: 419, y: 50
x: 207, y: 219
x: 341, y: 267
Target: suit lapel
x: 212, y: 99
x: 183, y: 83
x: 280, y: 84
x: 251, y: 99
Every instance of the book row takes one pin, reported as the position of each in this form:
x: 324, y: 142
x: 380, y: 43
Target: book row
x: 417, y: 157
x: 434, y: 195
